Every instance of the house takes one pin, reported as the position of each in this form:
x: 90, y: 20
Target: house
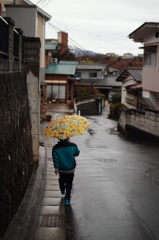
x: 111, y: 55
x: 59, y: 75
x: 131, y: 91
x: 50, y: 48
x: 56, y: 48
x: 91, y: 71
x: 148, y: 35
x: 59, y: 82
x: 31, y: 20
x: 128, y: 56
x: 99, y: 76
x: 33, y: 26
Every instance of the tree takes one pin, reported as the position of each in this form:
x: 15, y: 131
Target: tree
x: 63, y: 52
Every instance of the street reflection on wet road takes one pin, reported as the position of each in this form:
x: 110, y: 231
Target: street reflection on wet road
x: 115, y: 197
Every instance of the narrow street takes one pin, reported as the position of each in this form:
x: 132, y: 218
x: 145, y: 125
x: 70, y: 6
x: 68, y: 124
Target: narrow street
x: 116, y: 191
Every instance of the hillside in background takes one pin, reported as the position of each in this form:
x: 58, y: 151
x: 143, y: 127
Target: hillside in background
x: 113, y: 62
x: 121, y: 64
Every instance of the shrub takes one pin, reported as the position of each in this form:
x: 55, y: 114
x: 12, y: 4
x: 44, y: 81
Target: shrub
x: 116, y: 98
x: 115, y: 110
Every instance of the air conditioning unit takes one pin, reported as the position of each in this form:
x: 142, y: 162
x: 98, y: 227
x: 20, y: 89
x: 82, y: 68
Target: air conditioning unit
x: 54, y: 60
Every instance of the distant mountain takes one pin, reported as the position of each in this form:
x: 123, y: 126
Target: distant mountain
x: 79, y: 51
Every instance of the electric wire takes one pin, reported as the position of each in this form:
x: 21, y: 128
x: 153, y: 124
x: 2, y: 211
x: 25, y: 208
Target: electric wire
x: 95, y: 36
x: 68, y: 36
x: 38, y: 2
x: 43, y: 1
x: 47, y: 3
x: 83, y: 50
x: 76, y: 29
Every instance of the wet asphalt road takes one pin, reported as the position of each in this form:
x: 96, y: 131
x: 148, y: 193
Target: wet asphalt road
x: 116, y: 186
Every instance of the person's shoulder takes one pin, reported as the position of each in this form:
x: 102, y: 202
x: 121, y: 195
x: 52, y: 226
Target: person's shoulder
x: 72, y: 144
x: 56, y: 145
x: 68, y: 144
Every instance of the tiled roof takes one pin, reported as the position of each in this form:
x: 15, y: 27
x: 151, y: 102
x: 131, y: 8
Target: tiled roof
x: 61, y: 68
x: 91, y: 66
x: 106, y: 82
x: 136, y: 73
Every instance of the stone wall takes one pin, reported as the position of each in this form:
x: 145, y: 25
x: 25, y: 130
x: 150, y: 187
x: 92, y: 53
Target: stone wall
x: 143, y: 125
x: 16, y: 145
x: 89, y: 105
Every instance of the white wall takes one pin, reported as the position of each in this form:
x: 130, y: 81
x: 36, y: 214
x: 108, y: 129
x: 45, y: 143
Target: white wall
x: 24, y: 17
x: 128, y: 81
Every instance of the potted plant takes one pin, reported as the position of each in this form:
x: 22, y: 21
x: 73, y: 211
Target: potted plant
x: 48, y: 117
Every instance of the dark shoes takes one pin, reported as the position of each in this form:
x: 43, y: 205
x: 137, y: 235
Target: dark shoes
x: 63, y: 192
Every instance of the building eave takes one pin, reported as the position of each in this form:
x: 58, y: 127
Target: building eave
x: 40, y: 11
x: 145, y: 29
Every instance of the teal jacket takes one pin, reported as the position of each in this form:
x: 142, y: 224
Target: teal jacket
x: 63, y: 154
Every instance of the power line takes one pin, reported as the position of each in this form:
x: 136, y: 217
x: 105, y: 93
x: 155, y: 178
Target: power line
x: 38, y: 2
x: 43, y: 1
x: 47, y: 3
x: 68, y: 36
x: 84, y: 50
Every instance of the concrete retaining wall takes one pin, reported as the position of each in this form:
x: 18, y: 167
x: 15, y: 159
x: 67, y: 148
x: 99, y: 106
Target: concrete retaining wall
x: 144, y: 125
x: 16, y: 145
x: 88, y: 105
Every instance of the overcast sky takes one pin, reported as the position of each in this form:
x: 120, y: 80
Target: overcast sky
x: 100, y: 25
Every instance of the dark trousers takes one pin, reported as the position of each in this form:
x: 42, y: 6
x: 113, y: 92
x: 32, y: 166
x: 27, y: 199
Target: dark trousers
x: 65, y: 182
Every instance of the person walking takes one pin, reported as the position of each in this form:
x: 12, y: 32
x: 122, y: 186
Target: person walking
x: 63, y: 154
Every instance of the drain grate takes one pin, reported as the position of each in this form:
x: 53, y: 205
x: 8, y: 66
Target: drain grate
x: 51, y: 220
x: 108, y: 160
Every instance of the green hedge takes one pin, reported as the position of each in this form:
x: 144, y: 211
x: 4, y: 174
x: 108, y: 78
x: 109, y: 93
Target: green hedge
x: 116, y: 98
x: 115, y: 110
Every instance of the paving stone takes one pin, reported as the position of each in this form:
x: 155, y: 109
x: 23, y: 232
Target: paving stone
x: 52, y: 201
x: 52, y: 210
x: 52, y: 182
x: 52, y: 187
x: 50, y: 173
x: 50, y: 176
x: 43, y: 233
x: 53, y: 194
x: 50, y: 169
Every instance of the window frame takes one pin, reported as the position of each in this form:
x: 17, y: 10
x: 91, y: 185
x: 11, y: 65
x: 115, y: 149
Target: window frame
x: 150, y: 54
x: 93, y: 74
x: 79, y: 74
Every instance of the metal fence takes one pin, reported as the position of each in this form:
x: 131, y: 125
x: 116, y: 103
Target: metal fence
x: 10, y: 48
x: 4, y: 37
x: 16, y: 45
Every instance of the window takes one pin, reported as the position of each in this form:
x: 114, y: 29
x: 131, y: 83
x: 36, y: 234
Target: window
x: 79, y: 74
x: 130, y: 98
x: 93, y: 74
x: 150, y: 57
